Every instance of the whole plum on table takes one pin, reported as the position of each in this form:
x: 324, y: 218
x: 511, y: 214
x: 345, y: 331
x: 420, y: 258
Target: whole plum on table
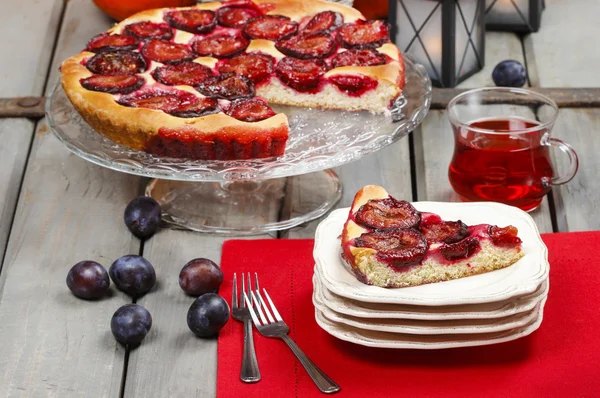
x: 200, y: 276
x: 509, y: 73
x: 133, y: 275
x: 130, y: 324
x: 207, y: 315
x: 88, y: 280
x: 142, y: 216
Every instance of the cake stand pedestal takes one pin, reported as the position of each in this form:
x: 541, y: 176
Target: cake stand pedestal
x: 245, y: 207
x: 245, y: 197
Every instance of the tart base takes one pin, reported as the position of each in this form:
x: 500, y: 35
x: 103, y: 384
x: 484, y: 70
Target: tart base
x: 374, y: 272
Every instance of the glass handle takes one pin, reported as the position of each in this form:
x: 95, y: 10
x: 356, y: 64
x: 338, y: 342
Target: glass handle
x: 573, y: 161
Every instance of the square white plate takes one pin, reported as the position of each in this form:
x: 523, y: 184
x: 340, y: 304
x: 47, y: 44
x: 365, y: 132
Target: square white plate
x: 426, y: 327
x: 424, y: 342
x: 523, y: 277
x: 498, y: 309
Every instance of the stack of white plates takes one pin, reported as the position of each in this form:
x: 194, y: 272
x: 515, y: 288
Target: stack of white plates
x: 491, y: 308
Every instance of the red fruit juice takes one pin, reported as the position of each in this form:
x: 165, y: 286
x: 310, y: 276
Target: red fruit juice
x: 504, y: 165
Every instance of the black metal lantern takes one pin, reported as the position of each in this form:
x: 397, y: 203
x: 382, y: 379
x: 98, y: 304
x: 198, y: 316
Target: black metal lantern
x: 521, y: 16
x: 446, y: 36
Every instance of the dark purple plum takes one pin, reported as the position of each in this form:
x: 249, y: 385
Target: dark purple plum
x: 130, y: 324
x: 207, y: 315
x: 88, y: 280
x: 200, y: 276
x: 133, y: 275
x: 142, y: 216
x: 509, y: 73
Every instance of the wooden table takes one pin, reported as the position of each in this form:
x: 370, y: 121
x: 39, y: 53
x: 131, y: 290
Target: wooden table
x: 57, y: 209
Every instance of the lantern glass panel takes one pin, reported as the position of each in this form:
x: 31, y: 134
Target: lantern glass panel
x: 507, y: 12
x: 468, y: 37
x: 420, y: 33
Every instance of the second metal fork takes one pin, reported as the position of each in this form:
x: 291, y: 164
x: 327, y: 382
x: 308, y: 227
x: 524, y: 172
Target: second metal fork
x: 250, y: 372
x: 274, y: 326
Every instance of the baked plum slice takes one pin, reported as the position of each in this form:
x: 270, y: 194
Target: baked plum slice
x: 185, y: 73
x: 270, y: 27
x: 192, y: 20
x: 116, y: 63
x: 250, y: 110
x: 323, y: 22
x: 506, y: 236
x: 162, y: 101
x: 358, y: 57
x: 255, y: 66
x: 446, y: 232
x: 363, y: 34
x: 167, y: 52
x: 388, y: 213
x: 460, y: 250
x: 318, y: 45
x: 118, y: 84
x: 354, y: 85
x: 149, y: 30
x: 301, y: 74
x: 227, y: 86
x: 200, y: 107
x: 220, y: 46
x: 236, y: 16
x: 395, y: 246
x: 105, y: 42
x: 177, y: 102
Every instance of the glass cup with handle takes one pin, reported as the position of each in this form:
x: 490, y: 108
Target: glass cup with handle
x: 502, y: 146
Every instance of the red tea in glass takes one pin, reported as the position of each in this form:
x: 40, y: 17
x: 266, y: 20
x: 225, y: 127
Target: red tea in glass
x: 499, y: 156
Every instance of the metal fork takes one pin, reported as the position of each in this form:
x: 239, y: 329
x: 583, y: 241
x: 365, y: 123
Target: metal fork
x: 274, y: 326
x: 250, y: 372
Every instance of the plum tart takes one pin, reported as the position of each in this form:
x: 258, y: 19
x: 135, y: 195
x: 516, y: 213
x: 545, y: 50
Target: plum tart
x: 196, y: 82
x: 388, y: 243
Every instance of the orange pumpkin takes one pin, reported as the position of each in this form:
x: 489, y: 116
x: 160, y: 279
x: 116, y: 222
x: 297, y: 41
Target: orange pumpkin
x: 121, y: 9
x: 372, y: 9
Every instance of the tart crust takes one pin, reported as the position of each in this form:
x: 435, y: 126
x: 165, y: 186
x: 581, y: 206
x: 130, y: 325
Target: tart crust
x: 219, y: 135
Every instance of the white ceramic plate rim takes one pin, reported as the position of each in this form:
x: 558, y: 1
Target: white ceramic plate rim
x: 425, y: 327
x: 512, y: 306
x: 396, y: 341
x: 521, y: 278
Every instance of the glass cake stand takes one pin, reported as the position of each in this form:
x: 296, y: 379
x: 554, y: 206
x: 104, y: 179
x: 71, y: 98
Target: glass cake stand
x: 245, y: 197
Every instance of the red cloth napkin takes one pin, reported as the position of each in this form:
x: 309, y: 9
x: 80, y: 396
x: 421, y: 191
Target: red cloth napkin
x: 561, y: 359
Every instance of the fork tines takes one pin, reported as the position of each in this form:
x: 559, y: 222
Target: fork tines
x: 234, y: 291
x: 261, y: 309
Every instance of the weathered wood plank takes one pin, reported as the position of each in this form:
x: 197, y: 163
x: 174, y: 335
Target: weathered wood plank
x: 28, y: 29
x: 389, y: 168
x: 16, y: 136
x: 434, y: 143
x: 173, y: 362
x: 564, y: 97
x: 29, y: 107
x: 69, y: 210
x: 562, y: 53
x: 22, y: 72
x: 576, y: 202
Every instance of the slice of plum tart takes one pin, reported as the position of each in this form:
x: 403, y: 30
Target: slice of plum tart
x: 388, y: 243
x: 196, y: 82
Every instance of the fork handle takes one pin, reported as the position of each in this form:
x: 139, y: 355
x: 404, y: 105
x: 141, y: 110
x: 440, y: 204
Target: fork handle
x: 250, y: 372
x: 323, y: 382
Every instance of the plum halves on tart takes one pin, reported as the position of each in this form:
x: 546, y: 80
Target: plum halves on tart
x: 389, y: 243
